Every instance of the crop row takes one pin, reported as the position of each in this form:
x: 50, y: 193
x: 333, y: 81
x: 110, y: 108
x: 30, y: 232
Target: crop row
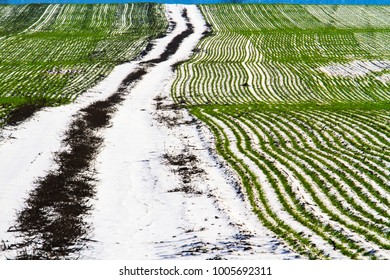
x: 322, y: 175
x: 57, y: 51
x: 239, y: 18
x: 277, y: 53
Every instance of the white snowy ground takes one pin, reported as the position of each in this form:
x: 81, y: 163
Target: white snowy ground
x: 356, y: 68
x: 135, y: 216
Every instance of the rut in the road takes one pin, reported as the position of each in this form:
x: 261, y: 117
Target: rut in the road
x: 52, y: 224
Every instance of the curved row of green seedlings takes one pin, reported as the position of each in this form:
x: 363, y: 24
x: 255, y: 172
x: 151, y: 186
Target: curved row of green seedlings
x: 286, y: 54
x: 257, y: 197
x: 254, y: 156
x: 284, y: 159
x: 339, y: 180
x: 232, y: 79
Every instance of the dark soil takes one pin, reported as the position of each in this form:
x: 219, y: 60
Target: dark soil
x: 174, y: 45
x: 186, y: 166
x: 23, y: 113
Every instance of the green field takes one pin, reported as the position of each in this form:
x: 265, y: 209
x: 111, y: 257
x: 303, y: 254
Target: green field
x: 298, y: 100
x: 50, y: 54
x: 274, y: 54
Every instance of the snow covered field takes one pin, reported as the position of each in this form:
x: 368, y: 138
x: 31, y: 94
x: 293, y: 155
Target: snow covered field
x: 145, y: 208
x: 252, y: 143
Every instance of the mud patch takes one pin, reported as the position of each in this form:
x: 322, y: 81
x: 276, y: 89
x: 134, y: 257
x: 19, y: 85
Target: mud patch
x: 22, y: 113
x: 27, y: 110
x: 171, y: 114
x: 185, y: 165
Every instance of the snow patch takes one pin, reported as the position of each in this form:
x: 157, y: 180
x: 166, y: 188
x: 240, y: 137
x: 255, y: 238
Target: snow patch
x: 357, y: 68
x: 385, y: 78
